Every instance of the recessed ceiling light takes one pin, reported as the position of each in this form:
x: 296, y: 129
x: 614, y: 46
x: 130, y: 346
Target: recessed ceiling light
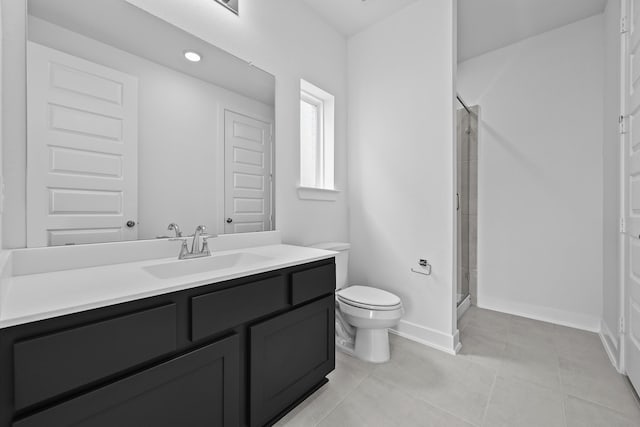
x: 192, y: 56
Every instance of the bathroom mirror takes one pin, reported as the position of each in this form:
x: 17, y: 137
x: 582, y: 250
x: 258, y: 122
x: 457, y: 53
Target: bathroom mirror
x: 133, y: 124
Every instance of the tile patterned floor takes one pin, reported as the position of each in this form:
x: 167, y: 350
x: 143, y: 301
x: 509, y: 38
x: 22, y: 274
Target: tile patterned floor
x: 511, y: 372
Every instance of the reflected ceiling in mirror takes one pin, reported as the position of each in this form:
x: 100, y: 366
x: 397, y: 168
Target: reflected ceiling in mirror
x: 134, y: 124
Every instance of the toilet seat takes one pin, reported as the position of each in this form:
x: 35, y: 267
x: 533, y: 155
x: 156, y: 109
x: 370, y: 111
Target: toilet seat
x: 367, y: 318
x: 369, y: 298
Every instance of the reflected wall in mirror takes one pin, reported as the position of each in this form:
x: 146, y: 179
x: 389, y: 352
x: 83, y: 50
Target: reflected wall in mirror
x: 128, y: 131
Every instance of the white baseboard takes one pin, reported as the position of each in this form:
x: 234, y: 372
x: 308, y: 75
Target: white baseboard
x: 464, y: 306
x: 457, y: 345
x: 611, y: 345
x: 427, y: 336
x: 559, y: 317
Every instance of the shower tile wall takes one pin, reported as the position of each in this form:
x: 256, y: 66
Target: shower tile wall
x: 467, y: 157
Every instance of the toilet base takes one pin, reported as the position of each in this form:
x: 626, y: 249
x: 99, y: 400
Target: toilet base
x: 372, y: 345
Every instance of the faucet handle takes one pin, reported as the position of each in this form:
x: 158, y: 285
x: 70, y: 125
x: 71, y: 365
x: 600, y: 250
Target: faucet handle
x: 184, y: 248
x: 205, y: 243
x: 205, y: 246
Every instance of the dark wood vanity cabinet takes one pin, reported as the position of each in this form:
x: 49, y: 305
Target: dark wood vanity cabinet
x: 290, y: 354
x: 195, y: 389
x: 237, y: 353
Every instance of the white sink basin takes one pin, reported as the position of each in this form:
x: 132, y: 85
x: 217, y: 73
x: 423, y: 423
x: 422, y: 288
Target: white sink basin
x: 180, y: 268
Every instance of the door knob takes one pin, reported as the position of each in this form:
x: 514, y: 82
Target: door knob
x: 131, y: 224
x: 229, y: 220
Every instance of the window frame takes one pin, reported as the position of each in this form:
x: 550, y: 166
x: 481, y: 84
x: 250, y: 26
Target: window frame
x: 319, y: 154
x: 324, y: 102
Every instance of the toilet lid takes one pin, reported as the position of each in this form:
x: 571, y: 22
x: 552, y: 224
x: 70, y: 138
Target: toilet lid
x: 368, y: 296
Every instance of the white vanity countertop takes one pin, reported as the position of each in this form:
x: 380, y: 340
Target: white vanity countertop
x: 34, y: 297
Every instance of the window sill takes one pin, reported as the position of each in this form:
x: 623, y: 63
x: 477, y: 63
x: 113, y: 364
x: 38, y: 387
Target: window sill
x: 322, y: 194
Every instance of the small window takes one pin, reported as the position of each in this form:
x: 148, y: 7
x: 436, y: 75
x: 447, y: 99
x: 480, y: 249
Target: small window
x: 316, y: 137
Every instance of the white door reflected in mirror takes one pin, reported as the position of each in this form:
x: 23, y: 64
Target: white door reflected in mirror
x: 248, y: 184
x: 82, y: 182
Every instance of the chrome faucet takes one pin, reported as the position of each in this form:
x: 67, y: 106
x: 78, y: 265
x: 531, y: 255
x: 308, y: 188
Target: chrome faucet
x: 196, y: 251
x: 174, y: 227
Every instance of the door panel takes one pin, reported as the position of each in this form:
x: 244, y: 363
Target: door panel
x: 82, y: 150
x: 248, y: 183
x: 631, y: 79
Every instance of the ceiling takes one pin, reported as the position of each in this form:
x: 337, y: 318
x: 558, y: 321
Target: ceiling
x: 486, y: 25
x: 483, y: 25
x: 352, y: 16
x: 123, y: 26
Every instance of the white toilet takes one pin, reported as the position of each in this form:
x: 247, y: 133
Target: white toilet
x: 363, y: 313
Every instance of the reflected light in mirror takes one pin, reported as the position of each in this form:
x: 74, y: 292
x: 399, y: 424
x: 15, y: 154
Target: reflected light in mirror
x: 192, y: 56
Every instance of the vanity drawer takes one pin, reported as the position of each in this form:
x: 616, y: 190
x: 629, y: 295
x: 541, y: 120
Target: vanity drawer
x: 315, y: 282
x: 216, y: 311
x: 199, y: 388
x: 56, y: 363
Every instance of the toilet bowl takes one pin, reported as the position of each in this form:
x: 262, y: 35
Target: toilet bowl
x: 363, y: 313
x: 371, y: 311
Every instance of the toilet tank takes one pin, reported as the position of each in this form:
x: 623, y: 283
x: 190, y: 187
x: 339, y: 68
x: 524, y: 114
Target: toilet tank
x: 342, y: 260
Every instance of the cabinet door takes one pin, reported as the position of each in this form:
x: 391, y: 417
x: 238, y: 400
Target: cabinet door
x: 197, y: 389
x: 290, y: 355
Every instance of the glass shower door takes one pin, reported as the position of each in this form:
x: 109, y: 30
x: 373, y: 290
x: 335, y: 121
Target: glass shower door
x: 467, y: 189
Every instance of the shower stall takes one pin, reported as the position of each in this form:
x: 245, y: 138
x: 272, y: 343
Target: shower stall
x: 467, y: 204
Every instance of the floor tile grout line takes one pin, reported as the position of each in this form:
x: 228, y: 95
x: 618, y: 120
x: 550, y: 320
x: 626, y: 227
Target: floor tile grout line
x: 421, y: 399
x: 516, y: 378
x: 344, y: 398
x: 632, y: 390
x: 593, y: 402
x: 486, y: 408
x: 564, y: 410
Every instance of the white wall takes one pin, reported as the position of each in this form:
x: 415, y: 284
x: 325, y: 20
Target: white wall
x: 611, y: 165
x: 14, y: 125
x: 540, y: 174
x: 401, y: 164
x: 283, y: 37
x: 1, y: 127
x: 180, y: 134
